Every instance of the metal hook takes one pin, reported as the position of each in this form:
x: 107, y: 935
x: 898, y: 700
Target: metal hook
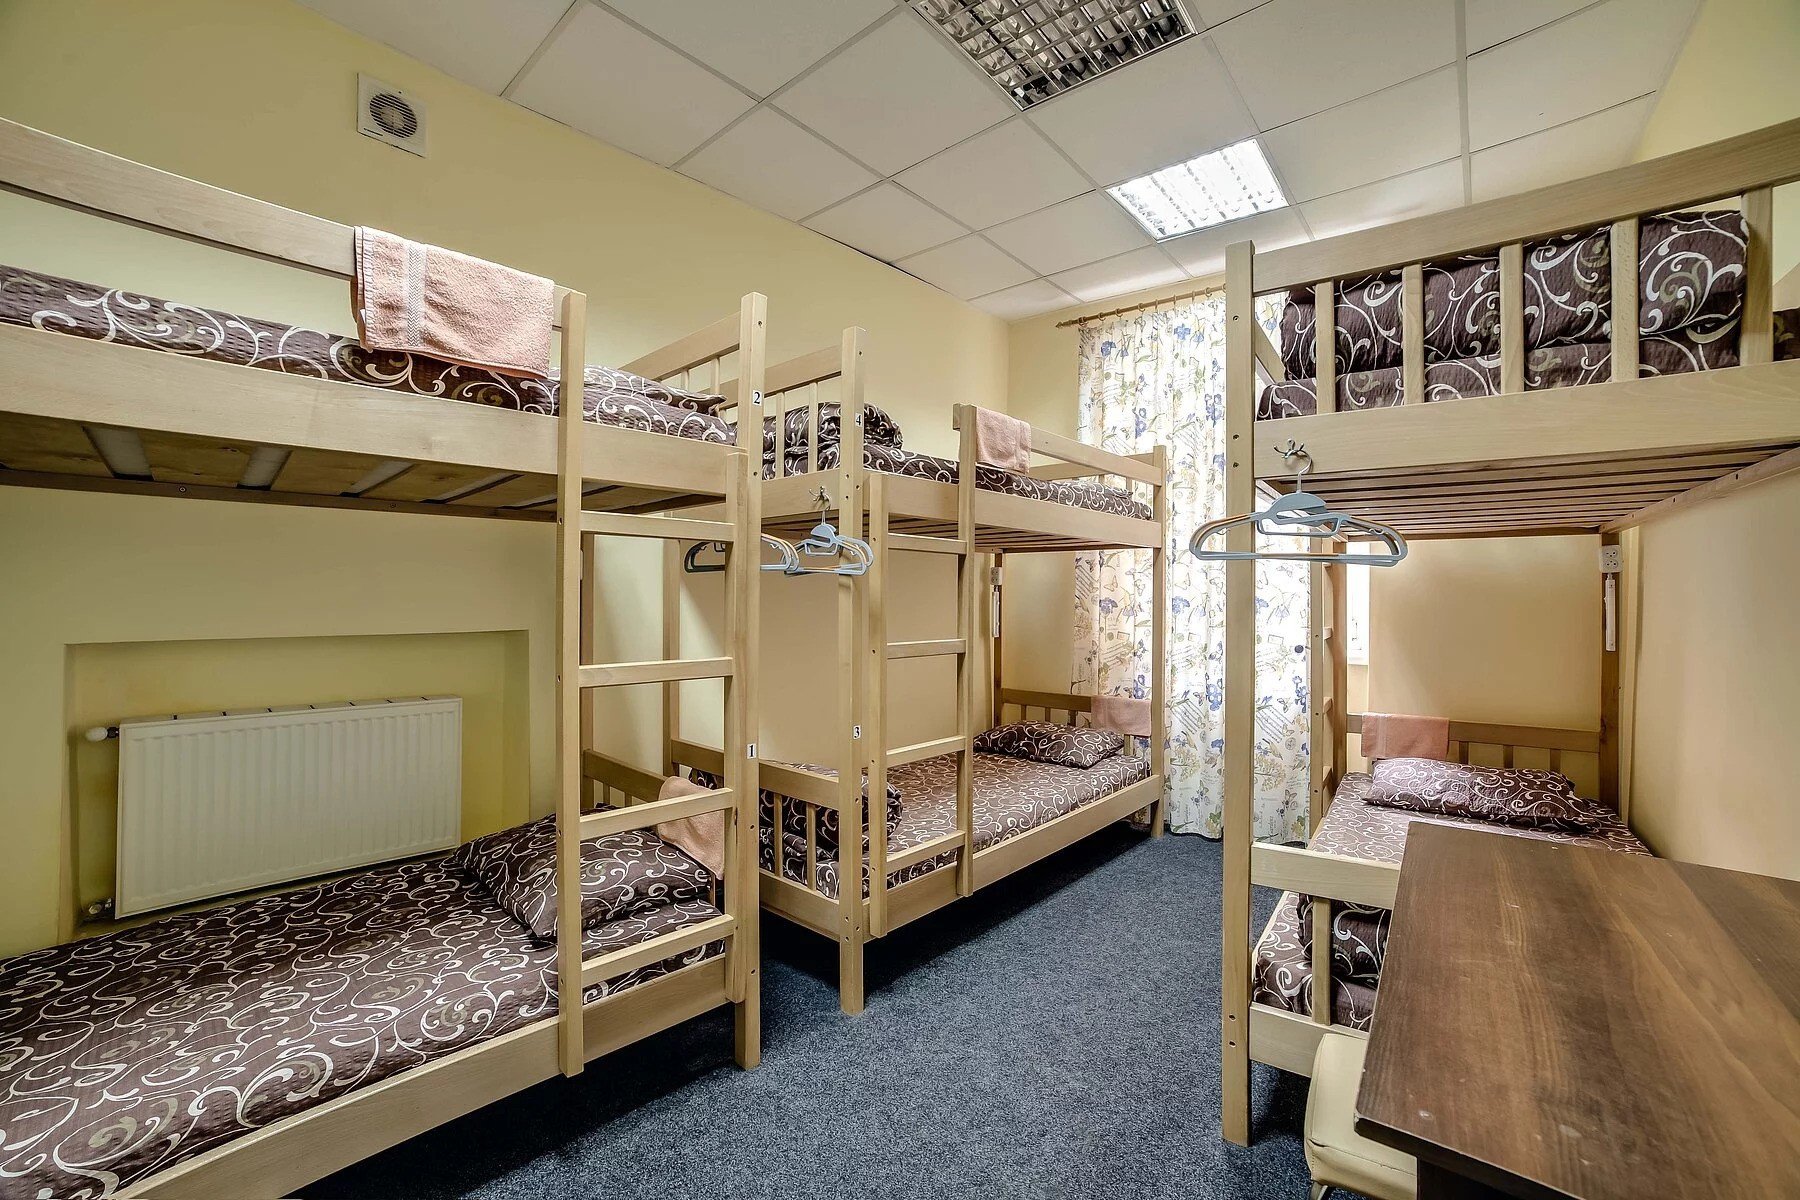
x: 1289, y: 453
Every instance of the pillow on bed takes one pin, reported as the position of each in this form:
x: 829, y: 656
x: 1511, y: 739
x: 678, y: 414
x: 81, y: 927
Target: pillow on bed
x: 621, y: 874
x: 1501, y: 795
x: 615, y: 382
x: 1048, y: 742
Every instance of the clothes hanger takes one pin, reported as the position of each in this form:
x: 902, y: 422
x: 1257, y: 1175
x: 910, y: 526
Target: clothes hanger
x: 1302, y: 514
x: 789, y: 565
x: 825, y: 540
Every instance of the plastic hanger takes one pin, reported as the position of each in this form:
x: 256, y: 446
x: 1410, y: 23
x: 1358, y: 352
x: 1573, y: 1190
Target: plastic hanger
x: 789, y: 565
x: 826, y: 541
x: 1302, y: 514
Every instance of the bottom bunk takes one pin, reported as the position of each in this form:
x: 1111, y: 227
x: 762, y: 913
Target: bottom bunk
x: 1354, y: 828
x: 140, y: 1060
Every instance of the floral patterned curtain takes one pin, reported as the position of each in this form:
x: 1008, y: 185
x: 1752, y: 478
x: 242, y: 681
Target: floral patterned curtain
x: 1159, y: 377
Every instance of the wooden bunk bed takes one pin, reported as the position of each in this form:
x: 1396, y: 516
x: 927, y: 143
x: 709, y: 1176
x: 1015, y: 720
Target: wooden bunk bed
x: 1511, y: 455
x: 946, y: 508
x: 220, y: 430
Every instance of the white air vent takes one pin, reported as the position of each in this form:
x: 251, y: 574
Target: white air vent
x: 389, y: 115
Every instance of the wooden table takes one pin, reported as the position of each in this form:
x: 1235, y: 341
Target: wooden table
x: 1557, y: 1021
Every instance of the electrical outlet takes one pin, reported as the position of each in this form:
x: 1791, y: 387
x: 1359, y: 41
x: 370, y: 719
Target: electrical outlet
x: 1612, y: 559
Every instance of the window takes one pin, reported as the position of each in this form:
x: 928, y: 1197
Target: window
x: 1356, y: 604
x: 1216, y: 187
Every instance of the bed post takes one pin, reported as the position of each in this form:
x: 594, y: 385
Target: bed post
x: 1609, y: 686
x: 671, y: 649
x: 1240, y: 689
x: 850, y: 635
x: 1159, y: 643
x: 570, y: 478
x: 875, y: 682
x: 996, y: 619
x: 743, y: 903
x: 965, y: 629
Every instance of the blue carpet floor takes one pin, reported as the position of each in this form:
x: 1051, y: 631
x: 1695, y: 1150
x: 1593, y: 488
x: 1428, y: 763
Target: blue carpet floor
x: 1055, y: 1035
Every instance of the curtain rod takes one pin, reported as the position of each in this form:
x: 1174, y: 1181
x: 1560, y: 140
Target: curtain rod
x: 1210, y: 289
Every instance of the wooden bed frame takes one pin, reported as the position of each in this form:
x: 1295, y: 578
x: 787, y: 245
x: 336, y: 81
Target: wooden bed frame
x: 54, y: 386
x: 907, y: 514
x: 1591, y: 460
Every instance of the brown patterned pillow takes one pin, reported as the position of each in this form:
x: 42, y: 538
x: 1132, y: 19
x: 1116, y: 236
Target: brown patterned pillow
x: 621, y: 874
x: 1048, y: 742
x: 1502, y: 795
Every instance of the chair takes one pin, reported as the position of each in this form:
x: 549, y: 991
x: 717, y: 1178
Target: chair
x: 1336, y: 1154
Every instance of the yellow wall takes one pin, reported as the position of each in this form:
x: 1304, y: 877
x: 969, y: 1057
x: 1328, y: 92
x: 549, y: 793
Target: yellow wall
x: 1711, y: 762
x: 260, y: 98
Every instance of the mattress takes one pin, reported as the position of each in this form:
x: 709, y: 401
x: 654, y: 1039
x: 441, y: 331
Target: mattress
x: 883, y: 452
x: 1691, y: 283
x: 123, y: 1055
x: 1357, y: 829
x: 69, y: 306
x: 1012, y: 796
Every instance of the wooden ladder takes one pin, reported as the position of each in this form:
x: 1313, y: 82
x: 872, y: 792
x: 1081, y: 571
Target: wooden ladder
x: 577, y: 531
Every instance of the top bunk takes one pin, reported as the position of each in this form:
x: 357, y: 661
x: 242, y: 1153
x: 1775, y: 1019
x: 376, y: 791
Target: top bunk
x: 108, y: 390
x: 1086, y: 499
x: 1573, y: 359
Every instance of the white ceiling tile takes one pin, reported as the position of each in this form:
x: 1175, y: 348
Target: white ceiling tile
x: 1083, y: 230
x: 1604, y: 56
x: 1395, y: 130
x: 1026, y: 300
x: 896, y: 96
x: 1203, y: 253
x: 1129, y: 272
x: 1433, y: 189
x: 762, y: 45
x: 1491, y: 22
x: 1002, y: 173
x: 774, y: 164
x: 1293, y: 58
x: 481, y: 42
x: 1214, y: 12
x: 607, y: 79
x: 966, y: 268
x: 886, y: 221
x: 1164, y: 109
x: 1595, y: 143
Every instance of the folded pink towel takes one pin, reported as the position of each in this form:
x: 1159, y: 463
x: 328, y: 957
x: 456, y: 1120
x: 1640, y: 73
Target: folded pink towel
x: 426, y: 300
x: 1121, y: 713
x: 703, y: 837
x: 1002, y: 441
x: 1394, y: 735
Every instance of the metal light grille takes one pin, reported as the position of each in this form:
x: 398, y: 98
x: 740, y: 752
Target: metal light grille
x: 1036, y: 49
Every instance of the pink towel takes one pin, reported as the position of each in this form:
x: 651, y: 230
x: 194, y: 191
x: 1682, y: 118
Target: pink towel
x: 1121, y: 713
x: 1391, y: 735
x: 426, y: 300
x: 1002, y: 441
x: 703, y: 837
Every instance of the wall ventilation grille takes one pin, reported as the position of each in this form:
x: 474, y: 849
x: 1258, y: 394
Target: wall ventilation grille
x: 1037, y: 49
x: 389, y: 115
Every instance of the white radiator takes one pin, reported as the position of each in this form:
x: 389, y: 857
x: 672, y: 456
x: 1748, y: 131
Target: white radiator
x: 216, y: 803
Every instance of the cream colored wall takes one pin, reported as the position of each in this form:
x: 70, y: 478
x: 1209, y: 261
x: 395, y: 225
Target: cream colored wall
x: 1711, y: 761
x: 259, y: 97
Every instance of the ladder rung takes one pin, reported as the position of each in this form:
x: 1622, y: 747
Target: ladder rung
x: 671, y: 670
x: 901, y: 755
x: 611, y: 966
x: 654, y: 812
x: 930, y: 545
x: 631, y: 525
x: 927, y: 649
x: 925, y: 850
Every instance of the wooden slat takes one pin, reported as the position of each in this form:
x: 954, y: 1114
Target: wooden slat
x: 1487, y: 733
x: 654, y: 812
x: 816, y: 367
x: 1015, y: 853
x: 1322, y: 941
x: 1067, y: 701
x: 325, y: 473
x: 596, y: 971
x: 919, y: 751
x: 927, y: 649
x: 1412, y: 334
x: 1288, y: 1041
x: 714, y: 341
x: 211, y: 461
x: 571, y: 459
x: 1512, y: 317
x: 1325, y: 346
x: 926, y: 850
x: 659, y: 671
x: 633, y: 781
x: 1268, y: 357
x: 1625, y: 292
x: 428, y: 481
x: 1756, y: 341
x: 41, y: 444
x: 1764, y: 158
x: 927, y: 545
x: 1333, y: 876
x: 517, y: 489
x: 1769, y: 468
x: 196, y: 491
x: 689, y: 529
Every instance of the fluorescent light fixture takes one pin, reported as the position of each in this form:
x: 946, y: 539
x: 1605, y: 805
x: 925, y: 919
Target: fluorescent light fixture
x: 1036, y: 49
x: 1201, y: 192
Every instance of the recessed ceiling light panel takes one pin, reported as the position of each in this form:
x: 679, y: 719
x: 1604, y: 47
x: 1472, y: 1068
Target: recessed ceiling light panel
x: 1210, y: 190
x: 1036, y: 49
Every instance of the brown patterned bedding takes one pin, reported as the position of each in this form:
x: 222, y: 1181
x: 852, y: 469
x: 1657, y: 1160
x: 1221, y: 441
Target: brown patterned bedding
x: 1012, y: 796
x: 1691, y: 279
x: 123, y: 1055
x: 69, y: 306
x: 882, y: 451
x: 1355, y: 828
